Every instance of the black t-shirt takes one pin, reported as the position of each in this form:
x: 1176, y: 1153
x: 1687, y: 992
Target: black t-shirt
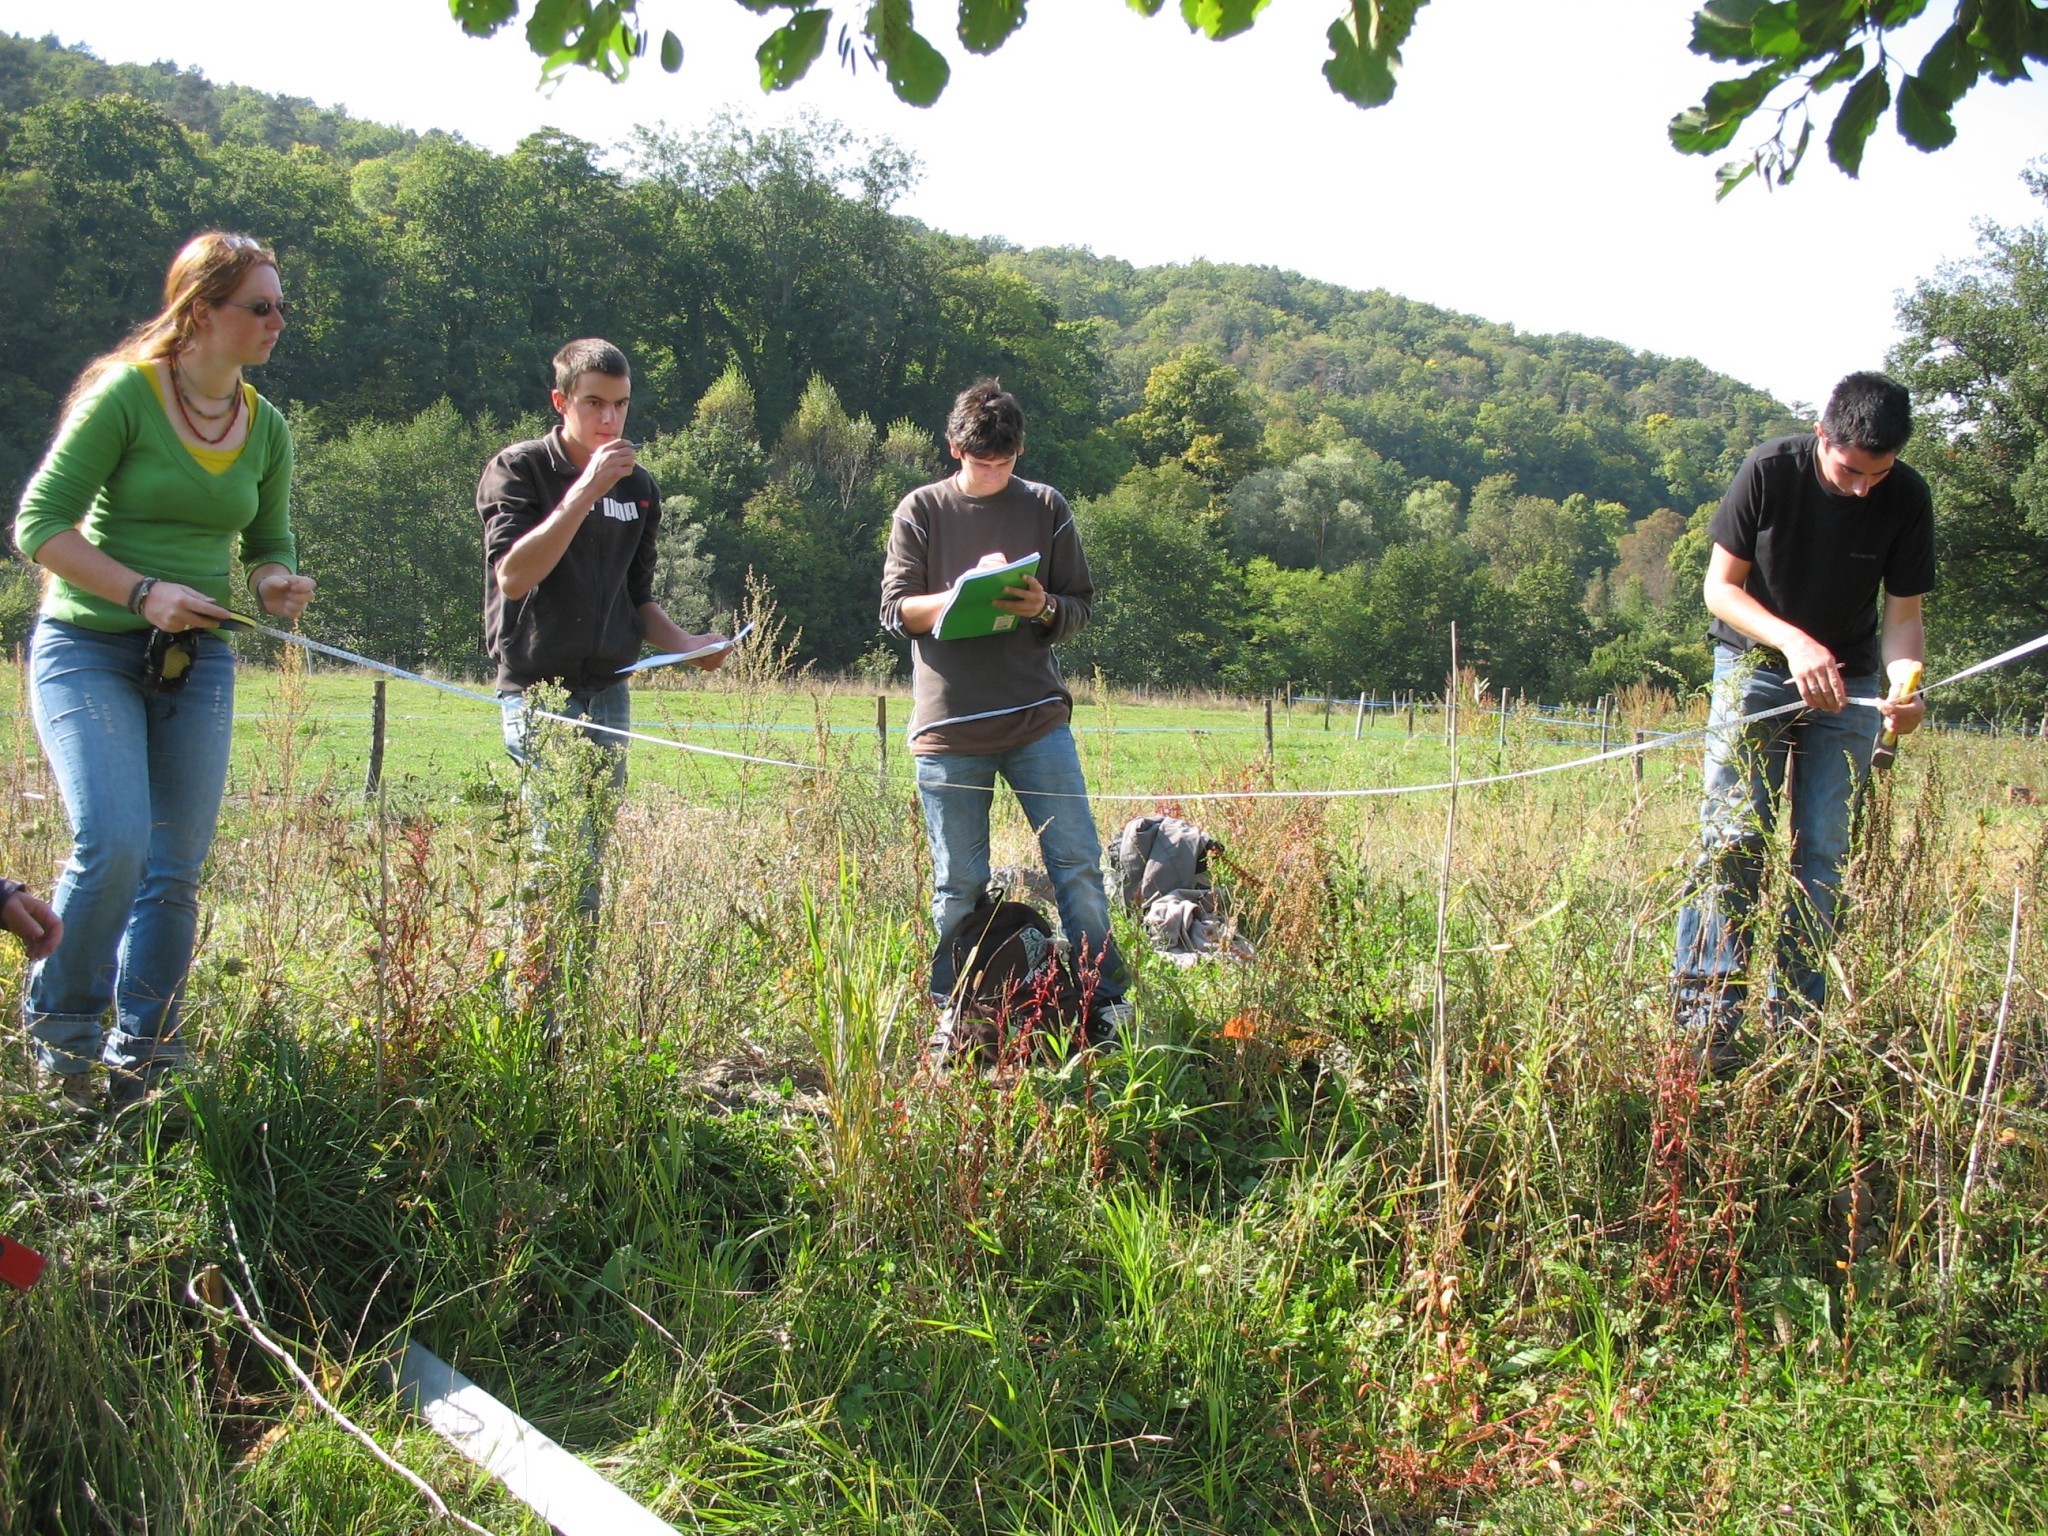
x: 582, y: 623
x: 1817, y: 558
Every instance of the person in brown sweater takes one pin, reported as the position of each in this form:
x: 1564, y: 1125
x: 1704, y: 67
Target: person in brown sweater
x: 997, y: 706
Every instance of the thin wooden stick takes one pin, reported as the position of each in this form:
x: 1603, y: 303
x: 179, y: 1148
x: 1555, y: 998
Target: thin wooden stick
x: 211, y: 1279
x: 1984, y: 1099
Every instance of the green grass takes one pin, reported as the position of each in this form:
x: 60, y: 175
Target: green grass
x: 1297, y: 1260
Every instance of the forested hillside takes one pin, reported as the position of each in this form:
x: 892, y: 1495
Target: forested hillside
x: 1281, y: 481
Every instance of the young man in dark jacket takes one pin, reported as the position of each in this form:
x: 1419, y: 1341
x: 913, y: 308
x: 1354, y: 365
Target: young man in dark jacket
x: 569, y: 522
x: 997, y: 705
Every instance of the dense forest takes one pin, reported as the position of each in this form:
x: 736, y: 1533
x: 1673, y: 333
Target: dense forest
x: 1280, y: 481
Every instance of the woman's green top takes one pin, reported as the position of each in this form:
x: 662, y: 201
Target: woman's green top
x: 120, y: 474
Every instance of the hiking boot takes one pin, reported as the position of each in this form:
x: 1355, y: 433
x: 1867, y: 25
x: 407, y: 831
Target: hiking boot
x: 1707, y: 1022
x: 130, y: 1090
x: 148, y: 1104
x: 73, y: 1091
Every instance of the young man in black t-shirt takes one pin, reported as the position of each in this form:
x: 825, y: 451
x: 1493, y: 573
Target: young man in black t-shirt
x: 569, y: 523
x: 1809, y: 533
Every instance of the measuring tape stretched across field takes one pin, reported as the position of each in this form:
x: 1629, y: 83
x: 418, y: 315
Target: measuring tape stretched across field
x: 1617, y: 754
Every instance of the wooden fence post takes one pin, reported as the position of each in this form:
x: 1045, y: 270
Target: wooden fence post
x: 376, y: 774
x: 1269, y: 727
x: 1358, y: 725
x: 881, y: 741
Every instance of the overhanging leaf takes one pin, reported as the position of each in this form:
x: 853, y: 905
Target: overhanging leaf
x: 1861, y: 109
x: 1713, y: 123
x: 1732, y: 175
x: 671, y: 52
x: 597, y: 34
x: 2001, y: 36
x: 1146, y: 7
x: 1951, y: 66
x: 917, y: 72
x: 1846, y: 65
x: 1924, y: 120
x: 1774, y: 33
x: 552, y: 21
x: 1790, y: 165
x: 1816, y: 16
x: 985, y: 25
x: 1730, y: 101
x: 1721, y: 30
x: 1218, y: 19
x: 1365, y: 49
x: 792, y: 48
x: 1692, y: 132
x: 480, y: 18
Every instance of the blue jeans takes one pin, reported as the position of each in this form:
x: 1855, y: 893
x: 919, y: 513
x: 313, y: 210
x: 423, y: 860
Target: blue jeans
x: 957, y: 791
x: 141, y: 775
x: 548, y: 796
x: 1828, y: 754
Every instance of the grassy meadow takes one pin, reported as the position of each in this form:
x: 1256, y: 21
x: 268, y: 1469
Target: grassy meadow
x: 1420, y: 1222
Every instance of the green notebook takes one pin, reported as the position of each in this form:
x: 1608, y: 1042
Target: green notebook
x: 971, y: 610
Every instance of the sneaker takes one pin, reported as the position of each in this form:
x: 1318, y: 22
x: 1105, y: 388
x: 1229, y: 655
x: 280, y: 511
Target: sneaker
x: 938, y: 1051
x: 1106, y: 1024
x: 74, y: 1091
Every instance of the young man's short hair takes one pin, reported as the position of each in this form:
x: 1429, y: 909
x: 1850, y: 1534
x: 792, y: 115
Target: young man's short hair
x: 1869, y: 411
x: 590, y: 355
x: 986, y: 421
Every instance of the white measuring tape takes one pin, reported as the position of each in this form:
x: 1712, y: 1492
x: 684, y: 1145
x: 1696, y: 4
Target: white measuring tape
x: 1617, y: 754
x: 335, y: 651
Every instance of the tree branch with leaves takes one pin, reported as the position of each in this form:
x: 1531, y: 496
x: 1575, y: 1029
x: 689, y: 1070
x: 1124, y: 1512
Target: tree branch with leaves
x: 1800, y: 49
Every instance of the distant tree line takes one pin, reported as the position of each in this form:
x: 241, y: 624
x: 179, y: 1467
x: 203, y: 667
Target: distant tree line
x: 1280, y: 481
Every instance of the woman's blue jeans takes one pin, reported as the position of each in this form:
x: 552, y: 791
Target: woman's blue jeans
x: 1828, y: 754
x: 957, y: 791
x: 141, y: 774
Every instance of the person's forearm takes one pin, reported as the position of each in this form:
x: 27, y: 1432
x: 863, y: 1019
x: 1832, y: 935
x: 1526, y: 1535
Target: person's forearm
x: 664, y: 633
x: 535, y: 553
x: 1733, y: 606
x: 76, y: 559
x: 1905, y: 640
x: 920, y: 614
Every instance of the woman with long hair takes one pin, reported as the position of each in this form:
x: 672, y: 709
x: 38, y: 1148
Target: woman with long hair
x: 165, y: 460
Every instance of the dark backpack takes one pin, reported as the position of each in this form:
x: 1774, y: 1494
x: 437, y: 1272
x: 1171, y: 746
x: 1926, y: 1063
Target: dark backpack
x: 1004, y: 977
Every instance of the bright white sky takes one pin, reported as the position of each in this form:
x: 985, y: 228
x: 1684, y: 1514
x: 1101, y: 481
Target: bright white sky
x: 1521, y: 173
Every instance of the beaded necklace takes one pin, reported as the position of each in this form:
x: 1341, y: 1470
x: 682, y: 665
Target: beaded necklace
x: 233, y: 412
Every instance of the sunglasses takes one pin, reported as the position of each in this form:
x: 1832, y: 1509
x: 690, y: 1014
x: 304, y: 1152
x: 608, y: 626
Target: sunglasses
x: 261, y: 308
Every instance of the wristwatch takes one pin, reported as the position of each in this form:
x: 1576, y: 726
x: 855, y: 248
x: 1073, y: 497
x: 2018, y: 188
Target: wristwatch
x: 1050, y: 613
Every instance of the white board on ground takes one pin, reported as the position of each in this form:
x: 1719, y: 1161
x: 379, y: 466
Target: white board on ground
x: 562, y: 1489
